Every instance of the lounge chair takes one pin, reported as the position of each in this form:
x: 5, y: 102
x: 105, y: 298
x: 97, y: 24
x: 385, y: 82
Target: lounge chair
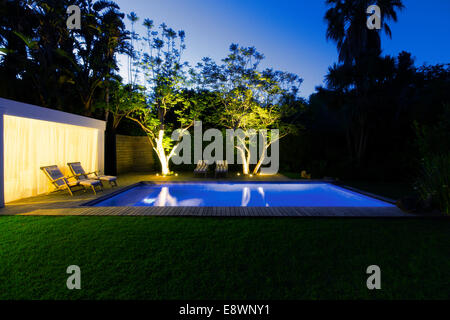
x: 221, y: 167
x: 61, y: 182
x: 202, y: 168
x: 78, y: 171
x: 305, y: 175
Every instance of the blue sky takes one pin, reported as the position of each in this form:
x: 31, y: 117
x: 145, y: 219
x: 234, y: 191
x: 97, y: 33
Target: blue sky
x: 291, y: 34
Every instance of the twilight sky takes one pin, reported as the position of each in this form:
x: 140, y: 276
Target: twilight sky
x: 290, y: 34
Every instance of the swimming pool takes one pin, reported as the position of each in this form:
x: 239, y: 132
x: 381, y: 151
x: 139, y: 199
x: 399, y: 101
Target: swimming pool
x: 239, y: 194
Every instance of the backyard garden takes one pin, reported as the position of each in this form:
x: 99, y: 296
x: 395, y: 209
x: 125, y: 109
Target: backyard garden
x: 378, y: 129
x: 379, y: 118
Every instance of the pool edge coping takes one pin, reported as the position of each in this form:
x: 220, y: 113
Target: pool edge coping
x: 92, y: 203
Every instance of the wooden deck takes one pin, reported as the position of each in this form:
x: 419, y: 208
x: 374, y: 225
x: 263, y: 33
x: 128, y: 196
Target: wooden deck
x: 62, y: 204
x: 223, y: 212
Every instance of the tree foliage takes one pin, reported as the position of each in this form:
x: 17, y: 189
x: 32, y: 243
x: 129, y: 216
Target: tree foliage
x: 249, y: 99
x: 65, y: 68
x: 362, y: 67
x: 167, y: 105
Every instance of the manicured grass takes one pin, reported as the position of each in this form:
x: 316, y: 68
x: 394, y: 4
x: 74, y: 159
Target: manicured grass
x: 228, y: 258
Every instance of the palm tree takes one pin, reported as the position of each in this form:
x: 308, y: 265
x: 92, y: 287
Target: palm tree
x: 43, y: 58
x: 359, y: 52
x: 133, y: 18
x: 16, y: 21
x: 110, y: 37
x: 102, y: 35
x: 347, y: 26
x: 113, y: 39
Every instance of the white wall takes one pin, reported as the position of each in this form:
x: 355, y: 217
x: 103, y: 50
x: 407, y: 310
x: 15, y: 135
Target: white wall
x: 18, y: 109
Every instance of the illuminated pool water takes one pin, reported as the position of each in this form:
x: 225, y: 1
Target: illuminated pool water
x: 240, y: 195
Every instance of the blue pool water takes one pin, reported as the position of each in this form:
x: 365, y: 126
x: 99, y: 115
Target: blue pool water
x: 240, y: 195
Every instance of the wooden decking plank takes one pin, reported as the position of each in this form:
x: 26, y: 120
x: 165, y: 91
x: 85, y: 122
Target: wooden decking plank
x: 291, y: 212
x: 166, y: 211
x: 186, y: 211
x: 178, y: 211
x: 172, y: 211
x: 194, y: 211
x: 181, y: 211
x: 284, y: 212
x: 206, y: 212
x: 222, y: 211
x: 257, y: 212
x: 314, y: 212
x: 158, y: 211
x: 276, y: 212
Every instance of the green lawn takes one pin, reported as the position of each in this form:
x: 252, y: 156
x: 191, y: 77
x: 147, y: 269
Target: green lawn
x: 229, y: 258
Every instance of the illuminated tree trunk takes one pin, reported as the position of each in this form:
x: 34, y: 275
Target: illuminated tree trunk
x: 266, y: 145
x: 245, y: 161
x: 163, y: 158
x: 260, y: 161
x: 262, y: 157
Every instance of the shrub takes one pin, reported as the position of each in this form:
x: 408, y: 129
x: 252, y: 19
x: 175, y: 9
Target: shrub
x: 434, y: 176
x: 433, y: 181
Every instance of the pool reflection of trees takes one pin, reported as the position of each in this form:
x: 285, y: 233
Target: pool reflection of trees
x: 165, y: 199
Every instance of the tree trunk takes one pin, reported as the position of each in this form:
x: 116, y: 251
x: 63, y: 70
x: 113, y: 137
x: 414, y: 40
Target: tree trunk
x: 245, y: 163
x: 107, y: 96
x: 260, y: 161
x: 163, y: 158
x: 110, y: 147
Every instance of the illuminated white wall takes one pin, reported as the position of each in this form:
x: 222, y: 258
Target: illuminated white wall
x: 29, y: 144
x: 33, y: 137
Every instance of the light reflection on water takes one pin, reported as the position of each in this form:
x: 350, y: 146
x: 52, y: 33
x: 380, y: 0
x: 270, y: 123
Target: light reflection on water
x: 242, y: 195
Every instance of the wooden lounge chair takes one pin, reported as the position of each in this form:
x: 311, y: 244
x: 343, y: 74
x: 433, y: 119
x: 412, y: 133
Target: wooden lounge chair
x: 202, y: 168
x: 78, y: 171
x: 221, y: 167
x: 59, y: 181
x: 305, y: 175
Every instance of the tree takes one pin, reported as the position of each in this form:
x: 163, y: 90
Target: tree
x: 236, y: 83
x: 167, y: 106
x: 101, y: 37
x: 113, y: 39
x: 40, y: 50
x: 133, y: 18
x: 15, y: 17
x: 123, y: 100
x: 250, y: 99
x: 359, y: 50
x: 66, y: 68
x: 433, y: 144
x: 347, y: 27
x: 278, y: 102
